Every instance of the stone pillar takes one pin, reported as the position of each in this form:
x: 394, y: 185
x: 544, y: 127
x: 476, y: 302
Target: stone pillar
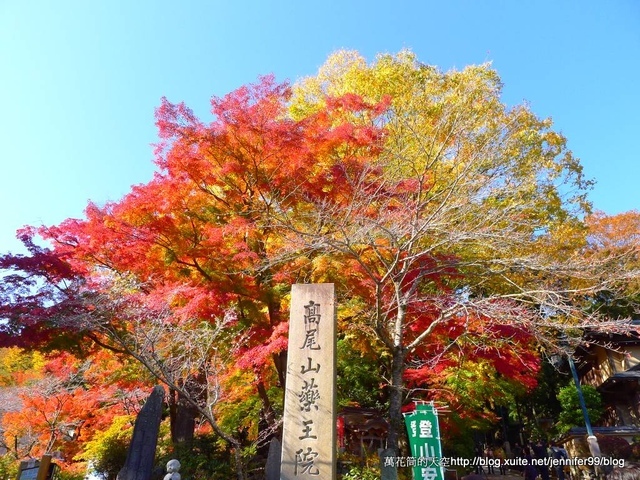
x: 388, y: 469
x: 309, y: 426
x: 142, y: 449
x: 272, y: 469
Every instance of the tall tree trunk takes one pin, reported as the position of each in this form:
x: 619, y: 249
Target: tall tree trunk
x: 183, y: 412
x: 183, y: 422
x: 396, y: 395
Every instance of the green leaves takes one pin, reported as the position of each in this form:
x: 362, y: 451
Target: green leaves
x: 571, y: 414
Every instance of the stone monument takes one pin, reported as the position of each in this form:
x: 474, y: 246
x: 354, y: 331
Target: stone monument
x: 309, y: 427
x: 272, y: 468
x: 142, y: 449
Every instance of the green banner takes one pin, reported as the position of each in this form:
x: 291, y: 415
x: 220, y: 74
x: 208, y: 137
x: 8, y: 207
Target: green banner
x: 424, y: 438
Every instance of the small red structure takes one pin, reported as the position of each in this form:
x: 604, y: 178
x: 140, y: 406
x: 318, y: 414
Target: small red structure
x: 361, y: 430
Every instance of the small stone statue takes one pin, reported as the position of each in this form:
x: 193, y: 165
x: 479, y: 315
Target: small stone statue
x: 172, y: 470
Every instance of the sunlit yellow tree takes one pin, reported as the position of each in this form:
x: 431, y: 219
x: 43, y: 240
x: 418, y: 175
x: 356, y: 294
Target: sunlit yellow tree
x: 467, y: 227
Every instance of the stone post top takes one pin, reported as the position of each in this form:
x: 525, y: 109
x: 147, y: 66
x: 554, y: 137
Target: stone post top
x: 158, y: 390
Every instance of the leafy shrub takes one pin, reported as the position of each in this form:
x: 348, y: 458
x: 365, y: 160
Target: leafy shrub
x: 202, y: 459
x: 361, y: 473
x: 571, y: 414
x: 66, y: 475
x: 107, y: 450
x: 8, y: 467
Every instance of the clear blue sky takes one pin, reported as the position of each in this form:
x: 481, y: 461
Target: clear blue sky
x: 80, y: 79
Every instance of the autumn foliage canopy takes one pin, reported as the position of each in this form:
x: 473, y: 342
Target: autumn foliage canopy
x: 450, y: 224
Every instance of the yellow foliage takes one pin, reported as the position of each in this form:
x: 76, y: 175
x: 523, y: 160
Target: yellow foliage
x: 478, y: 166
x: 120, y: 430
x: 18, y: 366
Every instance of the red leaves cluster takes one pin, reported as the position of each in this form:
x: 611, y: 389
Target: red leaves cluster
x: 270, y: 343
x: 199, y: 238
x: 65, y: 404
x: 498, y: 359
